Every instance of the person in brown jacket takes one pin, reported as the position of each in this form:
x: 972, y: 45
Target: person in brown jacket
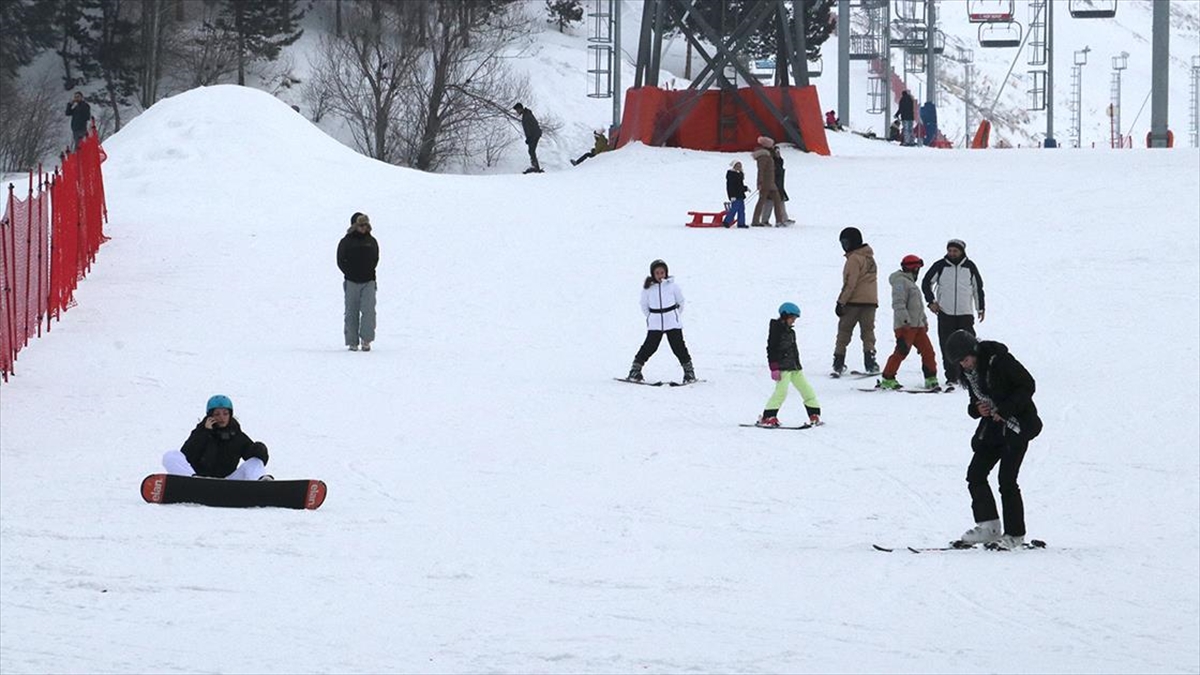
x: 768, y: 191
x: 857, y: 302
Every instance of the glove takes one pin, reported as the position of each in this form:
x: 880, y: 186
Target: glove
x: 839, y: 310
x: 259, y: 450
x: 775, y: 371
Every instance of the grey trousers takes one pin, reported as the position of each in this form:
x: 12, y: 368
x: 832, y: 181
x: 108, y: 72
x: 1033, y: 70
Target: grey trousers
x: 360, y: 312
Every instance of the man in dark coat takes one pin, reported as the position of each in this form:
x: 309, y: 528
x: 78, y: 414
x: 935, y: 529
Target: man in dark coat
x: 533, y: 134
x: 906, y: 110
x: 80, y: 113
x: 357, y: 258
x: 929, y: 121
x: 1002, y: 400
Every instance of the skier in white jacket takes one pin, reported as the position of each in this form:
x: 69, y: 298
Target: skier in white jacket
x: 662, y: 304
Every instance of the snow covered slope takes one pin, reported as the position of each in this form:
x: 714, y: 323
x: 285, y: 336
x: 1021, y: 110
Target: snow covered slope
x: 497, y: 502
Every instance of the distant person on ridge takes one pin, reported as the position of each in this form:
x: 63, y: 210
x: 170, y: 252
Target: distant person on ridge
x: 768, y: 191
x: 857, y: 302
x: 953, y: 289
x: 599, y: 145
x: 1001, y: 392
x: 357, y: 258
x: 662, y: 304
x: 80, y: 113
x: 735, y: 190
x: 215, y: 447
x: 533, y: 134
x: 910, y: 325
x: 907, y: 112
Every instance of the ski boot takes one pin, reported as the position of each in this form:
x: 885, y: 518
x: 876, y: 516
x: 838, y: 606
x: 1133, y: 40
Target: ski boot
x: 689, y: 373
x: 635, y: 373
x: 870, y: 367
x: 931, y: 382
x: 982, y: 533
x: 839, y: 365
x: 889, y: 383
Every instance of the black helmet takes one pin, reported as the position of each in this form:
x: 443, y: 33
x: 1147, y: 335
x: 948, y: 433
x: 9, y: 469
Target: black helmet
x: 659, y: 263
x: 850, y: 238
x: 960, y: 345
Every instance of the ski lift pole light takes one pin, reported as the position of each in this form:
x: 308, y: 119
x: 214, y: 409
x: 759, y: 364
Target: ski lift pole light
x: 1077, y: 96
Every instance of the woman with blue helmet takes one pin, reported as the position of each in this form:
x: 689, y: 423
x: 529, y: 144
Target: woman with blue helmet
x: 217, y: 445
x: 783, y: 356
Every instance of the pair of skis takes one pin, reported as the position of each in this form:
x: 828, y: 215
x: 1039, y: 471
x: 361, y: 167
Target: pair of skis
x: 656, y: 383
x: 860, y: 375
x: 959, y: 545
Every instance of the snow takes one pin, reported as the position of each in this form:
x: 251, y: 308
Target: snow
x: 497, y: 503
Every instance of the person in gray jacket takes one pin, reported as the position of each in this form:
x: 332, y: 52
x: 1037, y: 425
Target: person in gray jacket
x: 953, y: 291
x: 357, y: 258
x: 912, y: 329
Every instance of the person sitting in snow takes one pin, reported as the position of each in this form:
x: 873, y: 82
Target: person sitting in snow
x: 599, y: 145
x: 735, y: 189
x: 783, y: 357
x: 662, y: 304
x: 216, y: 445
x: 910, y: 324
x: 832, y: 122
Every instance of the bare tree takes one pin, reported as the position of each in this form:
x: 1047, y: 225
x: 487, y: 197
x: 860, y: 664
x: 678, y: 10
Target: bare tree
x: 360, y: 77
x: 464, y: 87
x: 204, y: 54
x: 34, y: 129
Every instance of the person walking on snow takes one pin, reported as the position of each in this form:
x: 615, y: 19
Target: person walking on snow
x: 911, y: 327
x: 783, y: 195
x: 735, y: 189
x: 783, y: 357
x: 768, y: 191
x: 533, y: 134
x: 953, y: 290
x: 1001, y: 391
x: 857, y: 302
x: 357, y: 258
x: 662, y: 304
x: 216, y: 445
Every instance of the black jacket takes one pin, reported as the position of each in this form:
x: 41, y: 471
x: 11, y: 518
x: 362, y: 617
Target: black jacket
x: 80, y: 113
x: 529, y: 123
x: 907, y: 109
x: 735, y: 184
x: 1005, y: 381
x: 216, y: 452
x: 357, y: 256
x: 778, y: 160
x: 782, y: 351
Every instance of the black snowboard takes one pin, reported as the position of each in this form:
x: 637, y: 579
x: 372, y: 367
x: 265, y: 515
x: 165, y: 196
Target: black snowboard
x: 161, y: 488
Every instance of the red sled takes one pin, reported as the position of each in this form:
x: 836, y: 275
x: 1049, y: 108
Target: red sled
x: 706, y: 219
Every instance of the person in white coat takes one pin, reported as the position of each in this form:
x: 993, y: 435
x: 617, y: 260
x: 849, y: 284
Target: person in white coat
x: 662, y: 304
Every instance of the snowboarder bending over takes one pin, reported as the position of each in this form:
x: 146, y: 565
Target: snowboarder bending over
x: 912, y: 329
x: 357, y: 258
x: 533, y: 134
x: 216, y: 446
x: 783, y: 357
x: 1002, y: 400
x: 857, y: 302
x: 662, y: 303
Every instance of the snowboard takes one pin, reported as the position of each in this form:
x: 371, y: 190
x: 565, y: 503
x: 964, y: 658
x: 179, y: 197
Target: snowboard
x: 161, y: 488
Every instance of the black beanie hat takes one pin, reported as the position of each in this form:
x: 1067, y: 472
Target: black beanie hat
x: 850, y: 238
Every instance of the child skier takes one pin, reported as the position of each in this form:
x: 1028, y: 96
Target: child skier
x: 662, y: 304
x: 912, y: 330
x: 783, y: 356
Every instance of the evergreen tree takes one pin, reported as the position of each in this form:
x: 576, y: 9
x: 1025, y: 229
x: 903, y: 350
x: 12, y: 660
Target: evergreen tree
x: 260, y: 28
x: 26, y: 30
x: 564, y: 13
x: 102, y: 45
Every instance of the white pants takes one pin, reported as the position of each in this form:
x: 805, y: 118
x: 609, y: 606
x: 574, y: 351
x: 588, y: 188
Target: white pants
x: 176, y: 464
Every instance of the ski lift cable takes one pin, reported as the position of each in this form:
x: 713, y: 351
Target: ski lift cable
x: 1017, y: 57
x: 1139, y: 114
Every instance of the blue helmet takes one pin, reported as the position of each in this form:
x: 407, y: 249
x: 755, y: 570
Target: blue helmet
x: 218, y: 401
x: 789, y: 308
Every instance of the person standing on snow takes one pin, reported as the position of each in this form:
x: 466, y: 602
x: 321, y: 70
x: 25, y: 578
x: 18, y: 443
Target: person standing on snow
x: 857, y: 302
x: 777, y: 159
x: 80, y: 113
x: 911, y: 327
x: 953, y: 289
x: 768, y: 191
x: 215, y: 447
x: 783, y: 357
x: 357, y: 258
x: 533, y: 134
x: 662, y: 304
x: 1001, y: 392
x: 906, y: 110
x: 735, y: 189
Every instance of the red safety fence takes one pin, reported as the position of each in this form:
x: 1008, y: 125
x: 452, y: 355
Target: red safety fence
x: 48, y: 241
